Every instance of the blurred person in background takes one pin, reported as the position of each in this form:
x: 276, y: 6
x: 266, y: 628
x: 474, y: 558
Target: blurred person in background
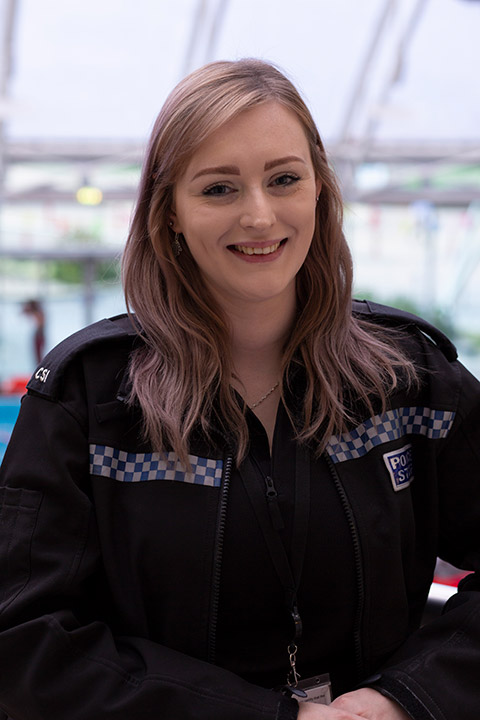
x: 34, y: 309
x: 232, y: 499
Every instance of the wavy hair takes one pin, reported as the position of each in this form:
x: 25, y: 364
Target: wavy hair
x: 181, y: 374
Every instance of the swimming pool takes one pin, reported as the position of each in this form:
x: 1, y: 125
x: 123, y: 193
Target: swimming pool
x: 9, y: 407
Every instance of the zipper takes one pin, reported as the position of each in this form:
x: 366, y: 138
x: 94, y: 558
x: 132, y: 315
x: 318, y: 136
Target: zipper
x: 360, y: 581
x: 217, y: 560
x: 271, y: 495
x: 272, y: 500
x: 272, y: 503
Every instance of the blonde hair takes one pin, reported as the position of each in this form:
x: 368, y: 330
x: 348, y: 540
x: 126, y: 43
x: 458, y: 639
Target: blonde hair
x: 181, y: 375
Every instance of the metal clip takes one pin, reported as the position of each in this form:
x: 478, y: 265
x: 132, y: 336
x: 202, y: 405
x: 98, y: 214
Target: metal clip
x: 293, y: 677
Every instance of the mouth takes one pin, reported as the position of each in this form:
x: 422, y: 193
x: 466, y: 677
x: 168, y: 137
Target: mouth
x: 256, y: 249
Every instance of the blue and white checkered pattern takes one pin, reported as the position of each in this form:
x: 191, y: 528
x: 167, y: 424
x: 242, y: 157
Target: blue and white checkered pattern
x: 392, y: 425
x: 140, y: 467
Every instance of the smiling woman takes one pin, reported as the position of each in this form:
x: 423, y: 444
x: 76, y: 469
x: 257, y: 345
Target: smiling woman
x: 235, y: 166
x: 246, y: 208
x: 229, y: 503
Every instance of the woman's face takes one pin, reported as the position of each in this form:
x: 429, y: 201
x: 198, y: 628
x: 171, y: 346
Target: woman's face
x: 246, y: 206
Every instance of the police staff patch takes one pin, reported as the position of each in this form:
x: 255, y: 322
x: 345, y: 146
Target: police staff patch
x: 400, y: 467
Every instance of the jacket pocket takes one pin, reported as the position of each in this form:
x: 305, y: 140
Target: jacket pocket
x: 105, y: 412
x: 18, y: 516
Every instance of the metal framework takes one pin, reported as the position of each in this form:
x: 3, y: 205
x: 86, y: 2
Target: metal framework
x: 346, y: 156
x: 357, y: 145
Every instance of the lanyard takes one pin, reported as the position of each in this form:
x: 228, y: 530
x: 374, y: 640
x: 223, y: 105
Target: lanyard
x: 289, y: 570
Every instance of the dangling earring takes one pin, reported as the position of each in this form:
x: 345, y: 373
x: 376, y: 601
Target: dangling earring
x: 177, y: 248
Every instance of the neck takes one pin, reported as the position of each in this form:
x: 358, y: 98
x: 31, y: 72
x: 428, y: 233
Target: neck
x: 259, y: 331
x: 261, y: 328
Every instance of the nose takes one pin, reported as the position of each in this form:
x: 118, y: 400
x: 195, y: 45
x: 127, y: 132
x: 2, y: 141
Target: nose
x: 257, y: 211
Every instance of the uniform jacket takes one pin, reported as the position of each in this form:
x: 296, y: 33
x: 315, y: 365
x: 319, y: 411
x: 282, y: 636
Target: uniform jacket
x: 112, y: 562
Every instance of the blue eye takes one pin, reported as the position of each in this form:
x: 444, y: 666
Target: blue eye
x: 217, y: 189
x: 285, y: 180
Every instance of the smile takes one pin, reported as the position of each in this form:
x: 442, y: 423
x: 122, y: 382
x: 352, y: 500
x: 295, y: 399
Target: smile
x: 247, y: 250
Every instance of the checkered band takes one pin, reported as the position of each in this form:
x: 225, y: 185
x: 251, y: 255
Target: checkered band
x: 392, y: 425
x: 140, y: 467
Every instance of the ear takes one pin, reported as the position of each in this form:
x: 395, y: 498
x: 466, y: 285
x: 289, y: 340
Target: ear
x: 173, y: 221
x: 318, y: 187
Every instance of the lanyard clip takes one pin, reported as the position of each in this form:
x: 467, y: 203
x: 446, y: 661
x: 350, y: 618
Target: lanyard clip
x: 293, y: 676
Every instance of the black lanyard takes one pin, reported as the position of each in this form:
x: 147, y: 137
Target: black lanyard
x: 289, y: 570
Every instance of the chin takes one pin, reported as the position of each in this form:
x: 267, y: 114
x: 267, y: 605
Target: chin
x: 270, y: 293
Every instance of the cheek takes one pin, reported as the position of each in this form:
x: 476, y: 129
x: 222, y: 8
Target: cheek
x: 199, y: 240
x: 205, y: 230
x: 307, y: 231
x: 308, y: 223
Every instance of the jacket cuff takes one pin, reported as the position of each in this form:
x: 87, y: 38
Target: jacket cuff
x: 287, y: 709
x: 395, y: 689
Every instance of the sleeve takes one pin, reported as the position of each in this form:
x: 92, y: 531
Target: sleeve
x: 58, y: 660
x: 436, y: 674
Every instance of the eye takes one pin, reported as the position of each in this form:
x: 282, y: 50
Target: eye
x: 217, y: 189
x: 285, y: 179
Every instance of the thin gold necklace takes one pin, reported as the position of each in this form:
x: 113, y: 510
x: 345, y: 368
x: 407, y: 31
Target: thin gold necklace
x: 264, y: 397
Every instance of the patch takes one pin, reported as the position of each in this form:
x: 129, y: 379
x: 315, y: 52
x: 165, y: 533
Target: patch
x: 143, y: 467
x: 392, y: 425
x: 400, y: 467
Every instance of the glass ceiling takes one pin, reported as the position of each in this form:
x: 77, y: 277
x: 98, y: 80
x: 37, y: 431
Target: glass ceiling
x: 392, y: 84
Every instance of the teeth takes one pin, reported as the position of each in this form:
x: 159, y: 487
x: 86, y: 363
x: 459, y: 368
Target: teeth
x: 257, y: 250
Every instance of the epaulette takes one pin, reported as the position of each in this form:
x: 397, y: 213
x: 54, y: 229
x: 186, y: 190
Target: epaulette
x: 46, y: 379
x: 385, y: 315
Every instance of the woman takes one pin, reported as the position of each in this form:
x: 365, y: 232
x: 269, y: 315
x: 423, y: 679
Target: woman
x: 241, y: 490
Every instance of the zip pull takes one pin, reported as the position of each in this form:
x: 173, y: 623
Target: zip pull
x: 272, y: 502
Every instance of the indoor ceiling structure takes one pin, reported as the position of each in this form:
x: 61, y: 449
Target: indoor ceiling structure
x: 391, y: 83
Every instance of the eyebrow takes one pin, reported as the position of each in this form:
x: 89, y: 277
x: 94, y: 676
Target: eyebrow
x: 283, y: 161
x: 220, y: 170
x: 234, y: 170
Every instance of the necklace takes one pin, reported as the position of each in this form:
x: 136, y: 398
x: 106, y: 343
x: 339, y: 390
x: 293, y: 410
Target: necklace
x: 264, y: 397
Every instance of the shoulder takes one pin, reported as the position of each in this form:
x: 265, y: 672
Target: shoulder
x: 444, y: 381
x: 411, y: 324
x: 110, y: 332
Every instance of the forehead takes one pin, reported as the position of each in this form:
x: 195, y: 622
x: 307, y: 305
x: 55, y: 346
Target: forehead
x: 269, y: 129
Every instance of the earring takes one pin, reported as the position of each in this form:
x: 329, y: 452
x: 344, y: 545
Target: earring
x: 177, y: 248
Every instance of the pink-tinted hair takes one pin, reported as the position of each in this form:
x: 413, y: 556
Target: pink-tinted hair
x: 181, y: 376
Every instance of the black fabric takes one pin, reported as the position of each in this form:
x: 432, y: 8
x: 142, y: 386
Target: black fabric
x: 258, y: 649
x: 47, y: 377
x: 106, y: 584
x: 393, y: 316
x: 396, y: 690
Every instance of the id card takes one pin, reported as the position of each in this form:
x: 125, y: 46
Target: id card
x: 317, y: 689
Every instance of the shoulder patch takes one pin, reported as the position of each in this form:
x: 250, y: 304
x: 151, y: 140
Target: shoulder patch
x: 46, y: 377
x: 398, y: 318
x: 400, y: 467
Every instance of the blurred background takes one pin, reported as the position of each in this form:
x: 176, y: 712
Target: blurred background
x: 393, y: 86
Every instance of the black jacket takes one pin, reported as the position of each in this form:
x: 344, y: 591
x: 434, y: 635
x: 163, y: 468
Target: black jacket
x: 117, y: 567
